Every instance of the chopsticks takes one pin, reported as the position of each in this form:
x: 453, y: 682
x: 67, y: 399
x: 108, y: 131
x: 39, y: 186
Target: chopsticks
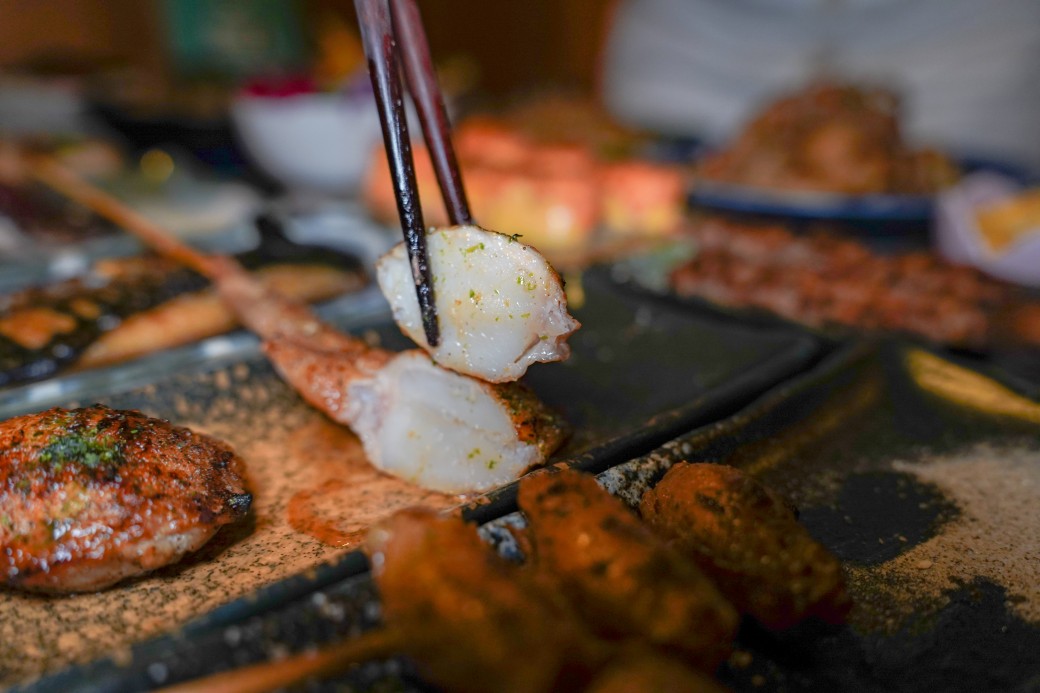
x: 381, y: 28
x: 429, y: 102
x: 381, y: 50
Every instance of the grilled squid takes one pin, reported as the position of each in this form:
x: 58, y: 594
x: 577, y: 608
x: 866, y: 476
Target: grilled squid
x: 431, y: 426
x: 500, y: 304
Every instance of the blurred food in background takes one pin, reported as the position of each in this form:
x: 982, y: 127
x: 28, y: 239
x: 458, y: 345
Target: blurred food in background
x: 992, y: 221
x: 1006, y: 222
x: 825, y: 281
x: 557, y: 171
x: 830, y: 137
x: 40, y: 215
x: 129, y: 307
x: 313, y: 129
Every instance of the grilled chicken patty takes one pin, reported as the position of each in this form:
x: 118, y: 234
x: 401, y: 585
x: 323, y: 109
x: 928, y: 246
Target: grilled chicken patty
x: 91, y: 496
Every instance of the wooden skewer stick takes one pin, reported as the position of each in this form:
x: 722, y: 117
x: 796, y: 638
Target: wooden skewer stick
x: 53, y: 174
x: 429, y: 102
x: 383, y: 66
x: 269, y: 676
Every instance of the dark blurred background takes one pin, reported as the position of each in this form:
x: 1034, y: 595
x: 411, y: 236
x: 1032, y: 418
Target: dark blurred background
x: 516, y: 44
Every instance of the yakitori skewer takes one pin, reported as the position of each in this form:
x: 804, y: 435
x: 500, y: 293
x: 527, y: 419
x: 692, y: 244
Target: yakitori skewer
x: 463, y: 434
x: 377, y: 35
x: 429, y: 102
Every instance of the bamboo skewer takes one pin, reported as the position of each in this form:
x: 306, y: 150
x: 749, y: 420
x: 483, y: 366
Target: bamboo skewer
x: 269, y: 676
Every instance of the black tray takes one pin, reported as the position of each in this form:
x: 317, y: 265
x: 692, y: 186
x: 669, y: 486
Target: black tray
x: 640, y: 374
x: 836, y: 441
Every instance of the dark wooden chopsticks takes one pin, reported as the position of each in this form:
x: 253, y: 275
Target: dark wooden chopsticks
x: 429, y: 102
x: 380, y: 31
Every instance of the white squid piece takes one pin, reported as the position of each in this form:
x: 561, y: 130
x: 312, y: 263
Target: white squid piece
x: 500, y: 304
x: 430, y: 426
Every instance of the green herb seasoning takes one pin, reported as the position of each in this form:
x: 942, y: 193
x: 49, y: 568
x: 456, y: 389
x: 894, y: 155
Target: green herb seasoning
x: 87, y: 448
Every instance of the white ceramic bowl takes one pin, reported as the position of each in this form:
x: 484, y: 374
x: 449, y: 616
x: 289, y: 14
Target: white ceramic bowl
x: 317, y: 141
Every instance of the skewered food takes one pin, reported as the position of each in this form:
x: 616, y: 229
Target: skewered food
x: 459, y: 434
x: 580, y: 613
x: 834, y: 138
x: 89, y: 497
x: 619, y: 575
x: 500, y: 305
x: 426, y: 424
x: 130, y: 307
x: 745, y: 537
x: 474, y: 621
x: 823, y: 281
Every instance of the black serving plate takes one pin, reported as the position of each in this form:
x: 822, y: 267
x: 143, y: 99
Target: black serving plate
x: 875, y: 447
x: 640, y: 374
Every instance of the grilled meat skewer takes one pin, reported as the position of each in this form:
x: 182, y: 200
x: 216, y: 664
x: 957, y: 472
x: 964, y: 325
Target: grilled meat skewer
x: 619, y: 575
x: 748, y: 540
x: 130, y: 307
x: 473, y: 622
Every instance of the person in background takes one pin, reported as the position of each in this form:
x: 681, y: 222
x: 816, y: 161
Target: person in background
x: 968, y: 70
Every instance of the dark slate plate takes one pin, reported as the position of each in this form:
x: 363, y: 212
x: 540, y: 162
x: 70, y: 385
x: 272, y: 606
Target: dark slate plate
x: 639, y: 375
x: 877, y: 447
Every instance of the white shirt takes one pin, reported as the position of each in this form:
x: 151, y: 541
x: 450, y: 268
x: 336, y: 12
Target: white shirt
x: 969, y: 70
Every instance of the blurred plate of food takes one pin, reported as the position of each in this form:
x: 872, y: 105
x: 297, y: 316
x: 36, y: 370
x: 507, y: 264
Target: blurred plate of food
x: 834, y: 285
x: 308, y: 138
x: 556, y: 171
x: 139, y: 308
x: 992, y: 221
x: 46, y: 237
x: 831, y: 151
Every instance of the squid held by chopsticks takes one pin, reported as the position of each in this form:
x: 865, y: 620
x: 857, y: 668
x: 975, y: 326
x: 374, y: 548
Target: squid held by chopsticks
x: 500, y: 304
x: 480, y: 302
